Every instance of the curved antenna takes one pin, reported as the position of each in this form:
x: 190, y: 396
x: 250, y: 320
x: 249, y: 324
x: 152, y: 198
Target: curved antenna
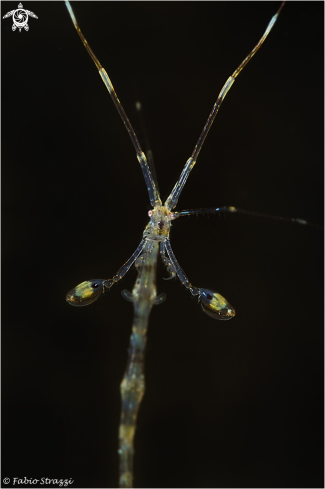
x: 174, y: 196
x: 150, y: 184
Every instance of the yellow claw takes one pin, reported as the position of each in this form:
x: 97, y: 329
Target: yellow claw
x: 215, y: 305
x: 86, y: 292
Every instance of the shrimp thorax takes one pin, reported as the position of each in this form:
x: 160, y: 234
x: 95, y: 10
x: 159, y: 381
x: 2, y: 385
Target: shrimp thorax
x: 158, y: 227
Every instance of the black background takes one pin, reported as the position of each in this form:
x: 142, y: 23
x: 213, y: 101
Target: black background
x: 234, y: 404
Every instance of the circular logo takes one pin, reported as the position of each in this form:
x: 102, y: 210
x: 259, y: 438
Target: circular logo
x: 20, y: 18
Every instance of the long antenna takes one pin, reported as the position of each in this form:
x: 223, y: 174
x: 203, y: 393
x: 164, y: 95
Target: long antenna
x: 150, y: 184
x: 174, y: 196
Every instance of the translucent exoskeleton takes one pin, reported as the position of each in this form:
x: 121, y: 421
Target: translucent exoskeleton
x: 155, y: 241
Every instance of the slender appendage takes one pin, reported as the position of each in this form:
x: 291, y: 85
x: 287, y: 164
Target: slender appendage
x: 217, y: 210
x: 133, y: 385
x: 212, y: 303
x: 89, y: 291
x: 174, y: 196
x: 127, y: 265
x: 167, y: 262
x: 151, y: 187
x: 180, y: 273
x: 149, y: 154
